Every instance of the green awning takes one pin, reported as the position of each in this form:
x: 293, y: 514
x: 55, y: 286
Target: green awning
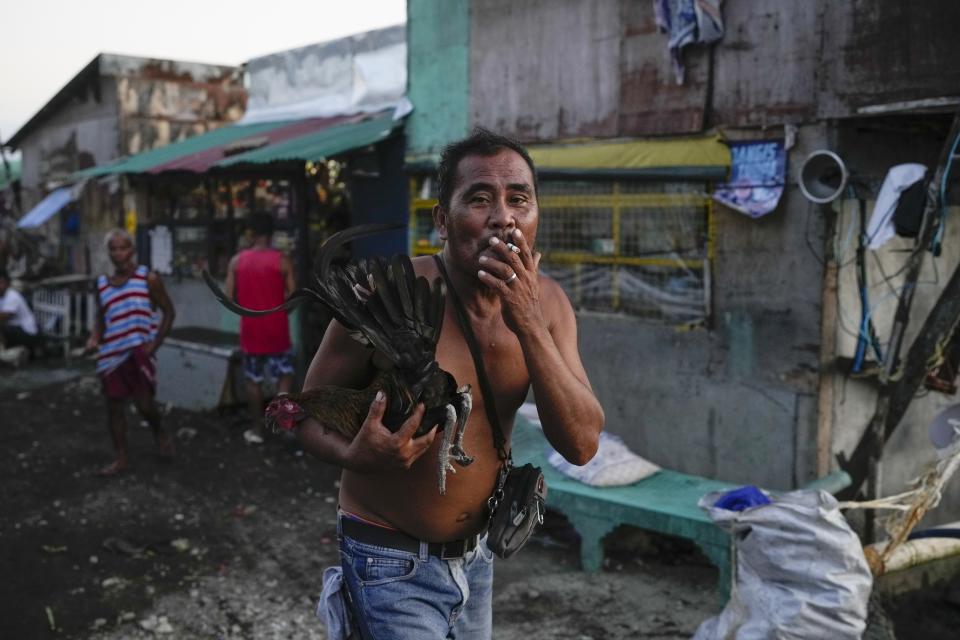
x: 149, y: 161
x: 322, y: 144
x: 234, y: 145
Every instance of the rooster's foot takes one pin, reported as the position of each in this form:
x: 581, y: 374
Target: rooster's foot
x: 463, y: 412
x: 453, y: 428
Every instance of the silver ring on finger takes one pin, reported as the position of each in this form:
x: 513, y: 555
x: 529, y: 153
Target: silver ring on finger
x: 512, y: 278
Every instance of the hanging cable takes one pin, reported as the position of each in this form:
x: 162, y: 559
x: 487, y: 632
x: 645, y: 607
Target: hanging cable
x: 867, y: 337
x: 941, y: 223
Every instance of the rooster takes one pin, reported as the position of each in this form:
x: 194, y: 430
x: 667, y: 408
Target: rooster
x: 386, y: 307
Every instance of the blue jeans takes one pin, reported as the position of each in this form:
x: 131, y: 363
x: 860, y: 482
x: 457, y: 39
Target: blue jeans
x: 399, y: 595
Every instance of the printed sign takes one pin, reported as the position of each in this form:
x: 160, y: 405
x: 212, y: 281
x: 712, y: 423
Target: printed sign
x: 756, y: 177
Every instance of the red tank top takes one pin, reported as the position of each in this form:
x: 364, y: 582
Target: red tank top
x: 260, y: 285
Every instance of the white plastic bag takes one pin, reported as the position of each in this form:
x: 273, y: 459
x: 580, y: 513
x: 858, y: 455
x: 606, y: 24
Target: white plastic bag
x: 801, y: 572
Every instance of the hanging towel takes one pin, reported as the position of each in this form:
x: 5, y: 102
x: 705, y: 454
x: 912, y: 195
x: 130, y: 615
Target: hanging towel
x: 687, y: 22
x: 899, y: 178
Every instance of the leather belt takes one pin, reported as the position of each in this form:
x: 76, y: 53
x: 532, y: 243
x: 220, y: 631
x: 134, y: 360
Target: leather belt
x: 393, y: 539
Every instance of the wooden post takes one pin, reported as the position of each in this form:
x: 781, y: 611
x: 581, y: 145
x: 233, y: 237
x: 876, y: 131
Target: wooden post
x: 828, y: 345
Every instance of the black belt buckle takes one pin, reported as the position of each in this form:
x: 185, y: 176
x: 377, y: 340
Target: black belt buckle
x: 458, y: 549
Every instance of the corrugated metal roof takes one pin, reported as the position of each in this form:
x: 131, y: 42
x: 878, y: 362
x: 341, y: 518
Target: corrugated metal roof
x: 216, y: 139
x: 309, y: 139
x: 321, y: 144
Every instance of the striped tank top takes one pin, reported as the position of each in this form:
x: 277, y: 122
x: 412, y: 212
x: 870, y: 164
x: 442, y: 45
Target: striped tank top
x: 128, y: 317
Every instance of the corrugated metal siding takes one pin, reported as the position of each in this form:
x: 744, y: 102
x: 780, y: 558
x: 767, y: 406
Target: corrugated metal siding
x: 651, y: 102
x: 545, y: 69
x: 765, y: 68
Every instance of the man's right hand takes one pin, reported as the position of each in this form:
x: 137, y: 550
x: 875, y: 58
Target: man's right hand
x: 375, y: 449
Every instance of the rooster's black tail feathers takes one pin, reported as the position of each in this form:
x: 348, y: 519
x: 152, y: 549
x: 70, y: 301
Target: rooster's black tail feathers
x: 382, y: 303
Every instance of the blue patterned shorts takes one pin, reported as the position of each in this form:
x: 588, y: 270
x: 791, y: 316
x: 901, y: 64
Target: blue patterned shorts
x: 275, y: 365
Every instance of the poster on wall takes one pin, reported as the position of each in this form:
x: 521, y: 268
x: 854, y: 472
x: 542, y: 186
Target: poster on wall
x: 757, y: 175
x: 161, y: 250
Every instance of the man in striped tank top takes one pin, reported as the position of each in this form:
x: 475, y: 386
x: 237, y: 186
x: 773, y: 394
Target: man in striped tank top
x: 127, y: 336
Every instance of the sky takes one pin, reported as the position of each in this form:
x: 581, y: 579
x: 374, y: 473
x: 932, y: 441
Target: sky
x: 46, y: 42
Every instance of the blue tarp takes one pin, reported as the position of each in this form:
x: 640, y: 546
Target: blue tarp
x: 47, y: 208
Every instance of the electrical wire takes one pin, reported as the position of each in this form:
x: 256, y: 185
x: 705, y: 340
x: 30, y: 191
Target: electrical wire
x: 938, y: 236
x: 806, y: 237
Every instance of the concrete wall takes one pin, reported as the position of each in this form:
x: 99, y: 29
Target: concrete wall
x: 739, y: 401
x: 81, y: 134
x: 438, y: 41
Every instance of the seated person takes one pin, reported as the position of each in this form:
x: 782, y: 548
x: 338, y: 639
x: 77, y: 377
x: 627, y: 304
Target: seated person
x: 18, y: 326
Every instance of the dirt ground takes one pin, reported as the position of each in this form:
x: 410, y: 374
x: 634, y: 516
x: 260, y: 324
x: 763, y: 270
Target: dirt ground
x: 230, y: 540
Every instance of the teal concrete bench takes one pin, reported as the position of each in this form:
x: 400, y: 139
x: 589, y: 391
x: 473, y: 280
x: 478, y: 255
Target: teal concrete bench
x: 665, y: 502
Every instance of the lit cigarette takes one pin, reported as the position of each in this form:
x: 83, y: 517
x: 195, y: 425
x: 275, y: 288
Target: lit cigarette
x: 513, y: 248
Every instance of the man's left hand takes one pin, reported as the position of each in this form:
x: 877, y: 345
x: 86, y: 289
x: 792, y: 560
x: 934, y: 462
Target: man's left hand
x: 514, y: 275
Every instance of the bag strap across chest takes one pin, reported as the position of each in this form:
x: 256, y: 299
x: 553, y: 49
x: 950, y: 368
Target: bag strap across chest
x: 499, y: 441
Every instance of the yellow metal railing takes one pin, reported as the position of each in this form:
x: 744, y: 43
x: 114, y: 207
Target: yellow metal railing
x: 618, y: 204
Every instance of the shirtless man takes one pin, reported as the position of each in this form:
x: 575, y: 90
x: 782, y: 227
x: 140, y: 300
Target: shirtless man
x: 400, y: 579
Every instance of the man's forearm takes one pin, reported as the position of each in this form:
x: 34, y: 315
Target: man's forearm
x: 326, y: 444
x: 569, y: 412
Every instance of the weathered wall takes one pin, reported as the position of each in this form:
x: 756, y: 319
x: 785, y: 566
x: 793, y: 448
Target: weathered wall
x: 766, y: 66
x: 882, y: 52
x: 362, y: 73
x: 157, y: 107
x: 543, y: 70
x: 81, y: 134
x: 117, y: 106
x: 737, y: 402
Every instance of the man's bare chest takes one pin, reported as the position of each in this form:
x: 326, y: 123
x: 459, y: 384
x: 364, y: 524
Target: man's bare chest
x: 502, y: 359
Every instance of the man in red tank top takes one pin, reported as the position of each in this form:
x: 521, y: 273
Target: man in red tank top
x: 261, y: 277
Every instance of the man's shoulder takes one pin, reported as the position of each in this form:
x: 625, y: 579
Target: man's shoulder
x: 552, y: 297
x: 425, y: 266
x: 549, y: 286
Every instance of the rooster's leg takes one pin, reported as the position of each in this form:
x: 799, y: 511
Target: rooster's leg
x: 443, y: 455
x: 451, y: 447
x: 465, y: 402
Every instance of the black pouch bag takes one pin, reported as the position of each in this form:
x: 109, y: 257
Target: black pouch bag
x: 516, y: 508
x: 517, y: 504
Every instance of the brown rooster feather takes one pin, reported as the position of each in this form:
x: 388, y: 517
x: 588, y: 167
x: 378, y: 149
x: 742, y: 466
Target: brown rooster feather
x: 385, y: 306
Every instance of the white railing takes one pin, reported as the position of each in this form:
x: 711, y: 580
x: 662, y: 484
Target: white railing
x: 65, y: 311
